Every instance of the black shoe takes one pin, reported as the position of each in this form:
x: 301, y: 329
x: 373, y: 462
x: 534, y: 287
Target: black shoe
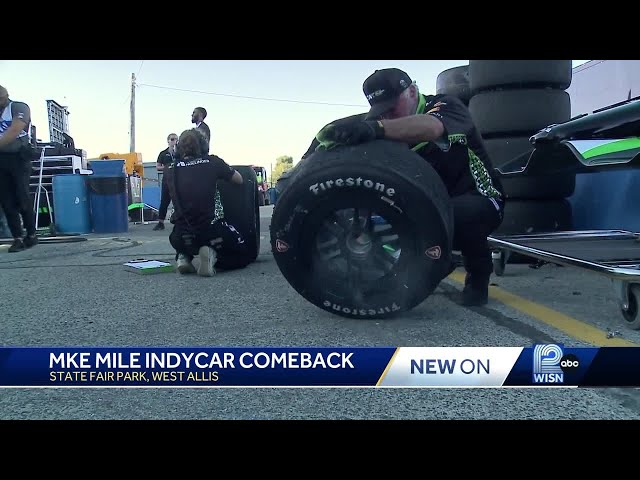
x: 473, y: 296
x: 17, y: 246
x: 159, y: 226
x: 30, y: 241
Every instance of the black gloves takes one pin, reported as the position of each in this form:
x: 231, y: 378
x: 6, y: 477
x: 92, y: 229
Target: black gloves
x: 355, y: 133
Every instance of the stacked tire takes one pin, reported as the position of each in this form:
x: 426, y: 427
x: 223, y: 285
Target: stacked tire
x: 455, y: 81
x: 511, y: 100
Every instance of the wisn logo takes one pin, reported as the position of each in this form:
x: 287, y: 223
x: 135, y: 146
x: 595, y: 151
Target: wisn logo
x: 550, y: 365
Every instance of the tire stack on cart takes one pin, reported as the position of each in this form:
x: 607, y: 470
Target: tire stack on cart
x: 511, y: 100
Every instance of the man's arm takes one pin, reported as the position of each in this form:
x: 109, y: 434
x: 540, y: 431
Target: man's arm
x: 413, y: 129
x: 159, y: 164
x: 21, y: 114
x: 447, y: 117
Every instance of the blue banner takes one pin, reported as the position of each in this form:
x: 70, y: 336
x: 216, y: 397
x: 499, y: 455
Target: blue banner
x: 204, y: 367
x: 547, y: 365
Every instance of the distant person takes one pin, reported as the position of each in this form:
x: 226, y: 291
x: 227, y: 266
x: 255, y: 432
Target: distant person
x: 197, y: 117
x: 165, y: 158
x: 15, y: 170
x: 198, y: 230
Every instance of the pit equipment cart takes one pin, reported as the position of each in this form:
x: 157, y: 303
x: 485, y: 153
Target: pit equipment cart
x: 600, y: 141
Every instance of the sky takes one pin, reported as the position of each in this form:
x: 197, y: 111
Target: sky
x: 258, y: 110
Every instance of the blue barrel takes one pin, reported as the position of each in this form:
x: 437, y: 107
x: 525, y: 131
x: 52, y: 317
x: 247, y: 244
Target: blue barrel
x: 273, y: 195
x: 108, y: 197
x: 71, y: 204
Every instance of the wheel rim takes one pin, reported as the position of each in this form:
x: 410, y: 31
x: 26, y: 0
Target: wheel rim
x: 356, y: 252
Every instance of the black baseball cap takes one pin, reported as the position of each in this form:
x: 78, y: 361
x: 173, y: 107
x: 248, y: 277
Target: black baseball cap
x: 382, y: 89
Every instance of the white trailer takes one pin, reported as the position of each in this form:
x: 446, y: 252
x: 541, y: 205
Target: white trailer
x: 600, y: 83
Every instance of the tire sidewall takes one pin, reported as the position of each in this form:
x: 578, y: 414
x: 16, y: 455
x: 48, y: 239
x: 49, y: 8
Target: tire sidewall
x: 312, y: 195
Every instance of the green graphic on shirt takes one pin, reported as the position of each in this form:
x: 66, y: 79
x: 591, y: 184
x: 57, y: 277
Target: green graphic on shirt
x: 219, y: 209
x: 478, y: 170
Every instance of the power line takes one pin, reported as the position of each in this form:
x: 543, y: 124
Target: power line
x: 250, y: 97
x: 141, y: 64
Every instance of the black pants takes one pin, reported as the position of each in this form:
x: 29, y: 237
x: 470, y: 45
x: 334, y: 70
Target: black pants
x: 475, y: 218
x: 231, y: 252
x: 165, y: 198
x: 15, y: 173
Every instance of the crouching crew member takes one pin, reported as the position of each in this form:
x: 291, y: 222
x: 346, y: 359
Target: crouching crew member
x: 192, y: 181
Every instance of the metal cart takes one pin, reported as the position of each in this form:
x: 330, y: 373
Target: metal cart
x: 612, y: 253
x: 601, y: 141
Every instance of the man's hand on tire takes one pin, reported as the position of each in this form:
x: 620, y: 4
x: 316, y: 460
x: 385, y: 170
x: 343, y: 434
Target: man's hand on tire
x: 355, y: 133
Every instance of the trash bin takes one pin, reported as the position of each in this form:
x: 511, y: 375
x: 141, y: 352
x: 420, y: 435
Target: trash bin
x: 71, y: 204
x: 273, y: 195
x: 108, y: 200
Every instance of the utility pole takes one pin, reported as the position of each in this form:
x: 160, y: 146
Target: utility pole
x: 132, y: 108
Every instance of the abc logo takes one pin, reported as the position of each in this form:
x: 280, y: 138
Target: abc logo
x: 569, y: 363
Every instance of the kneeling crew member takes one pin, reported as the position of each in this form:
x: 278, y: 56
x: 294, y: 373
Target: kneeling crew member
x: 192, y: 181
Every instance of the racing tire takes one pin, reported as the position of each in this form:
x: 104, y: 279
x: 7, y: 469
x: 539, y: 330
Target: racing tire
x: 455, y: 82
x: 512, y: 154
x: 503, y: 150
x: 539, y: 187
x: 283, y: 181
x: 242, y: 209
x: 534, y: 216
x: 512, y: 113
x: 493, y: 74
x: 364, y: 231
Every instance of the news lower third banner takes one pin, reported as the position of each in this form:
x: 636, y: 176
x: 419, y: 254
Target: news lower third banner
x: 547, y: 365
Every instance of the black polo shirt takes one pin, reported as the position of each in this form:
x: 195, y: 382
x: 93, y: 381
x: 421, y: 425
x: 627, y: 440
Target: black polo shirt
x: 165, y: 157
x: 459, y: 156
x: 192, y: 185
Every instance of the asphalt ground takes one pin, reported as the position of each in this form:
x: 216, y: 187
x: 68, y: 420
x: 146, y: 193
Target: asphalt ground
x: 79, y: 294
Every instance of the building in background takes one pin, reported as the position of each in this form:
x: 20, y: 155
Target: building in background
x: 58, y: 121
x: 600, y: 83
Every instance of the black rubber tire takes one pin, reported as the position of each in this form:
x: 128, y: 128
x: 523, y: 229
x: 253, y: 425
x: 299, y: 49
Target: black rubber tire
x: 631, y: 317
x: 493, y: 74
x: 512, y: 113
x: 534, y: 216
x: 283, y: 181
x: 241, y: 207
x: 503, y: 150
x: 381, y: 176
x: 455, y: 81
x: 511, y: 154
x: 539, y: 187
x: 499, y: 264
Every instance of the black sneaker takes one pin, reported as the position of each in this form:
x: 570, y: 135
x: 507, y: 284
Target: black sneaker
x: 159, y: 226
x: 30, y: 241
x: 17, y: 246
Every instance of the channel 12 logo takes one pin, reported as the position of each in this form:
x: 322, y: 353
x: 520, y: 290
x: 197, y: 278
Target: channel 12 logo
x: 550, y: 365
